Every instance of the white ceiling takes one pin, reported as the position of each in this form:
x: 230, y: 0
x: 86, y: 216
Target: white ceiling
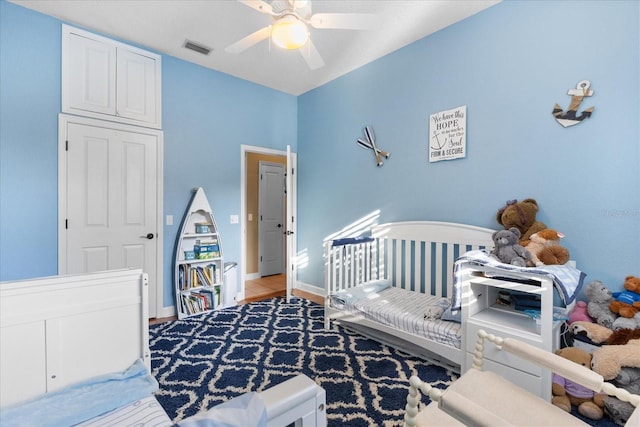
x: 164, y: 25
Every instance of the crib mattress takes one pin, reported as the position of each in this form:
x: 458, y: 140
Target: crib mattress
x: 403, y: 310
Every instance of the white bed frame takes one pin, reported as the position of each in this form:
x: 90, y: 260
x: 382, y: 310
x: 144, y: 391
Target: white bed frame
x: 403, y: 253
x: 57, y: 331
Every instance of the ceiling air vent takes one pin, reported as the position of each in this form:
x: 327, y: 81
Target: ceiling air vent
x: 197, y: 47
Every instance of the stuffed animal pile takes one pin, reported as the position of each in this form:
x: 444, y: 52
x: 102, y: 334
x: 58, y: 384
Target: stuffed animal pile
x: 617, y: 358
x: 540, y: 241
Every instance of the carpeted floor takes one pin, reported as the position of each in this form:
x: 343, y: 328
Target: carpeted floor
x: 205, y: 360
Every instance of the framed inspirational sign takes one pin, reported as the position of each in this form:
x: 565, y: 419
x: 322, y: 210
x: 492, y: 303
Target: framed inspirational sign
x: 448, y: 134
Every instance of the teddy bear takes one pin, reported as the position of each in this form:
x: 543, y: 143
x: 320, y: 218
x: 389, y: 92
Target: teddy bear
x: 545, y: 248
x: 579, y: 313
x: 521, y: 215
x: 567, y: 393
x: 507, y: 249
x: 599, y: 297
x: 608, y: 360
x: 627, y: 303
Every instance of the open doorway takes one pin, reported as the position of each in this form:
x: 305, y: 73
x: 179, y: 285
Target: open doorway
x: 255, y: 285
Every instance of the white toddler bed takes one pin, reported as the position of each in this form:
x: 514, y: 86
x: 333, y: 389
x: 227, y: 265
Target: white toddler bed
x: 403, y: 284
x: 417, y: 256
x: 75, y: 349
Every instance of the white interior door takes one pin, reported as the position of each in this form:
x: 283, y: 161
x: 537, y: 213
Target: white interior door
x: 291, y: 190
x: 271, y: 228
x: 110, y: 202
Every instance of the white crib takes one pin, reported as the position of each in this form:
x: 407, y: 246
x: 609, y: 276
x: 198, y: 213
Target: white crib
x: 416, y: 256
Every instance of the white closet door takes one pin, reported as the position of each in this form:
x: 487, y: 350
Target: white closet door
x: 111, y: 202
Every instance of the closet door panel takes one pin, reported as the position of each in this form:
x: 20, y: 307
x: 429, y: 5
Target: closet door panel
x: 90, y: 78
x: 136, y: 95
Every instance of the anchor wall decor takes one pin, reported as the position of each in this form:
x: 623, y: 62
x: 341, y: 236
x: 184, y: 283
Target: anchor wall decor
x: 570, y: 117
x: 370, y: 144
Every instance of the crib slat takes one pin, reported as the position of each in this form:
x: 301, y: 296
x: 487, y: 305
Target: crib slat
x: 427, y: 268
x: 438, y: 270
x: 448, y: 273
x: 416, y: 280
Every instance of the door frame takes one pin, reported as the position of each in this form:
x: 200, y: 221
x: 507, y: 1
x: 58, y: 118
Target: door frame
x: 63, y: 121
x: 244, y: 150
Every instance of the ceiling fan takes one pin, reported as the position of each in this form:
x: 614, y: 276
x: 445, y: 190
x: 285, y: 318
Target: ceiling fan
x: 289, y: 29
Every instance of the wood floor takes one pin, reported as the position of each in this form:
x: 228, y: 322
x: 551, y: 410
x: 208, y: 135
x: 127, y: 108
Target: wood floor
x: 273, y: 286
x: 263, y: 288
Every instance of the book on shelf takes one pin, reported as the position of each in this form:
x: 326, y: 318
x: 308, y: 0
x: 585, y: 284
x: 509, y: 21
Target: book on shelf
x: 210, y: 297
x: 195, y: 276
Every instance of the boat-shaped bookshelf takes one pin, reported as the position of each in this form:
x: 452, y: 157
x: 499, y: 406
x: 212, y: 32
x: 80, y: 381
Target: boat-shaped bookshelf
x: 198, y: 263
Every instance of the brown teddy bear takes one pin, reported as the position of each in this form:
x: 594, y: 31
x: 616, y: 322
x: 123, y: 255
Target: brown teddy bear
x: 627, y: 303
x: 545, y: 248
x: 521, y: 215
x: 566, y: 393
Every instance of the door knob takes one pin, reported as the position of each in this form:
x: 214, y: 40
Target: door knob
x: 148, y: 236
x: 279, y: 225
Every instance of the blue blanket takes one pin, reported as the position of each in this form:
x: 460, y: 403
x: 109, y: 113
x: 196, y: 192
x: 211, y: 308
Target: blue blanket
x: 82, y: 401
x: 566, y: 279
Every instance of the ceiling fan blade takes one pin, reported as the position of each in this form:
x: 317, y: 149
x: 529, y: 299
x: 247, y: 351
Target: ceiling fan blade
x: 312, y: 56
x: 258, y: 5
x: 250, y: 40
x: 345, y: 21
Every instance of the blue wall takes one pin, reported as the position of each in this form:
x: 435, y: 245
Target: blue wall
x: 206, y: 116
x: 509, y: 65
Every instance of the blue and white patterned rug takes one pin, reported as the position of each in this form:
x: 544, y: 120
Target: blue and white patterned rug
x: 205, y: 360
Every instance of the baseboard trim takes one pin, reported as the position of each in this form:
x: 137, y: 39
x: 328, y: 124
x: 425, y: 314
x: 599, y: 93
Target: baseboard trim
x: 166, y: 312
x: 310, y: 288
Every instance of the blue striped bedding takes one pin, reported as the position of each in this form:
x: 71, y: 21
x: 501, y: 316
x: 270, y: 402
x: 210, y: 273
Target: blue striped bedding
x: 401, y: 309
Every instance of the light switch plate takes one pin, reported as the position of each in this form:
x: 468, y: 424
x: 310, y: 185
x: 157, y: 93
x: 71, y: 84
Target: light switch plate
x: 235, y: 219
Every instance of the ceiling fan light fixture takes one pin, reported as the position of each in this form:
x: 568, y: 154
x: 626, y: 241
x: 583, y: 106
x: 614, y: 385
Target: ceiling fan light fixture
x: 289, y: 32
